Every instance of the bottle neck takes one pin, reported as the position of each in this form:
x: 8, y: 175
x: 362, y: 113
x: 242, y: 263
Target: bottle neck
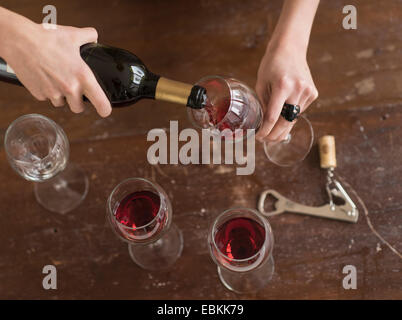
x: 180, y: 93
x: 172, y: 91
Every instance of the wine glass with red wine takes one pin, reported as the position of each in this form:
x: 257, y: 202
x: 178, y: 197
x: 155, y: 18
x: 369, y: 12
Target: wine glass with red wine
x: 241, y: 243
x: 140, y: 213
x: 38, y: 150
x: 232, y: 108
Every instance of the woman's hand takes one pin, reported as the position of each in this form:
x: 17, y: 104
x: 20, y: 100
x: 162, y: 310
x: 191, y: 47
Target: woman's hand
x: 48, y: 62
x: 284, y: 75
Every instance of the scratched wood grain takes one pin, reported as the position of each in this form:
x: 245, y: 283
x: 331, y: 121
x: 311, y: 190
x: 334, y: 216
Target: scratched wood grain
x: 358, y: 75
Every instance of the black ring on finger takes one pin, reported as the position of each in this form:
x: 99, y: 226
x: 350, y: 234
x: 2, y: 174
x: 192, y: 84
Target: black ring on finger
x: 290, y: 111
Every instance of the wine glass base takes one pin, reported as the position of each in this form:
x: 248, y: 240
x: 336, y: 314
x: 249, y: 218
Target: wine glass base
x: 160, y: 254
x: 250, y: 281
x: 295, y: 148
x: 64, y: 192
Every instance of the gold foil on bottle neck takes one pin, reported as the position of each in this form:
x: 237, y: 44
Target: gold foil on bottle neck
x: 172, y: 91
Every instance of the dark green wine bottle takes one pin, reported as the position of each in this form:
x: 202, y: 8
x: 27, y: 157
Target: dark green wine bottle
x: 125, y: 79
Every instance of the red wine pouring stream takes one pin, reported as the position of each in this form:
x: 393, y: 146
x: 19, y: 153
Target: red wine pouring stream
x: 125, y: 79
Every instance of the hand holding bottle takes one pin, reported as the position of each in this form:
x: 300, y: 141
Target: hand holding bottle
x: 48, y: 62
x: 284, y: 75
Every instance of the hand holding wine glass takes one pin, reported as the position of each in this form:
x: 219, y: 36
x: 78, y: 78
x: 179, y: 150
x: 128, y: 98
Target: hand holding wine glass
x: 284, y: 75
x: 48, y: 62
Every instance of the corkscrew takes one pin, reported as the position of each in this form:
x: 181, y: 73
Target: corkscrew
x: 340, y: 206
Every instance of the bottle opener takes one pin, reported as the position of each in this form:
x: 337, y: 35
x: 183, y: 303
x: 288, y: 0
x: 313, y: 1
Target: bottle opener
x: 340, y: 206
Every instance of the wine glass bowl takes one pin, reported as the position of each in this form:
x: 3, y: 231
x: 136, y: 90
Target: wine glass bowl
x: 38, y: 150
x: 140, y: 213
x: 241, y: 244
x: 240, y: 239
x: 295, y: 147
x: 149, y: 197
x: 231, y: 105
x: 36, y: 147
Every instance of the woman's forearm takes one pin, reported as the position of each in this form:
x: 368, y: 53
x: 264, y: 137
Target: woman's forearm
x: 284, y: 75
x: 12, y: 28
x: 294, y: 25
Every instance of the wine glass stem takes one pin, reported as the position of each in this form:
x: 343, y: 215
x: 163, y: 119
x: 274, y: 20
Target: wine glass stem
x: 63, y: 192
x: 288, y: 138
x: 161, y: 254
x: 251, y: 281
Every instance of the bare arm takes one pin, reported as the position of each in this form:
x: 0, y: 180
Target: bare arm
x: 284, y: 75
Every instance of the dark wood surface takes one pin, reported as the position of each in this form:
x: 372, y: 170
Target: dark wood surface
x: 358, y: 75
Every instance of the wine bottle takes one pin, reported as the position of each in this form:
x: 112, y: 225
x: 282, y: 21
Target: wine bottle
x: 125, y: 79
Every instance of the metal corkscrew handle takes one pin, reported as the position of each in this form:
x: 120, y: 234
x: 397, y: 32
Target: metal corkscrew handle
x: 343, y: 212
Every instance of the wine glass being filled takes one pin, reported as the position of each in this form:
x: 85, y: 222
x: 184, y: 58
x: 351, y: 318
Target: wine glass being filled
x: 69, y: 63
x: 232, y: 108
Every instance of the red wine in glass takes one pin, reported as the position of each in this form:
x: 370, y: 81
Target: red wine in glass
x: 139, y: 217
x: 217, y: 111
x: 241, y: 242
x: 140, y: 213
x: 240, y: 238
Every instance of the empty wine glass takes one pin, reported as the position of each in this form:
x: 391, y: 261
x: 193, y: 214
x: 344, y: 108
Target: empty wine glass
x: 140, y: 213
x: 233, y: 105
x: 241, y: 244
x: 38, y: 150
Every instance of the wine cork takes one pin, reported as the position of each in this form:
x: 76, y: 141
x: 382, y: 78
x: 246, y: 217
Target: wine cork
x: 327, y: 152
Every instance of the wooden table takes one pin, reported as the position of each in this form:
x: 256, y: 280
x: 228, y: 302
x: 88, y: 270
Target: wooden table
x: 358, y: 75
